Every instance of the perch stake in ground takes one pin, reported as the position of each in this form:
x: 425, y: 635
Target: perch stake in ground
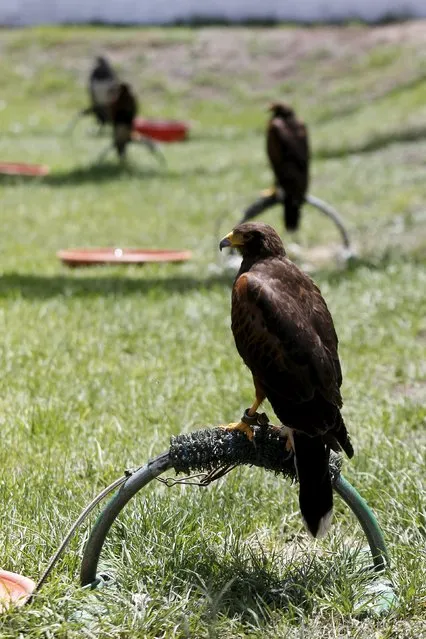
x: 207, y: 455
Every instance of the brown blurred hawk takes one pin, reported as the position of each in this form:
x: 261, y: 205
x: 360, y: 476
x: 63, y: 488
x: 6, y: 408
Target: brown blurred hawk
x: 287, y: 147
x: 123, y: 111
x: 284, y: 332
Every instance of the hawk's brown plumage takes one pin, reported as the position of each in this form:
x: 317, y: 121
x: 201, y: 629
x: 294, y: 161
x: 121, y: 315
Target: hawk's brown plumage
x: 288, y: 152
x: 123, y: 111
x: 285, y: 334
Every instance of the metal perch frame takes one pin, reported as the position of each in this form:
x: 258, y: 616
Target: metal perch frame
x: 142, y: 140
x: 211, y: 453
x: 266, y: 202
x: 137, y: 138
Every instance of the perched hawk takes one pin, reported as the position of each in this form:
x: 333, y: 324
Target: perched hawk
x: 285, y: 334
x: 288, y: 152
x: 103, y: 84
x: 123, y: 111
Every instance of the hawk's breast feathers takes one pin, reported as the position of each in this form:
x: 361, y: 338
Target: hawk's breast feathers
x: 284, y: 332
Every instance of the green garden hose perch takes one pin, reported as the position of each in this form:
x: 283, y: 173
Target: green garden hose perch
x: 265, y: 202
x: 210, y: 454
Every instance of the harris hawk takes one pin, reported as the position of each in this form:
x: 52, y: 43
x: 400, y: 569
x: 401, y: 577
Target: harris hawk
x: 284, y: 332
x: 287, y: 147
x: 123, y: 111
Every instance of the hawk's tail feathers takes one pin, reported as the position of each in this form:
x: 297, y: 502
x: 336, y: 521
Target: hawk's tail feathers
x: 315, y: 489
x: 291, y: 214
x: 342, y: 436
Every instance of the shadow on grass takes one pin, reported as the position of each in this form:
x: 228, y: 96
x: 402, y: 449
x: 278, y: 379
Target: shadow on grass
x: 251, y: 588
x: 30, y: 286
x: 95, y: 173
x: 15, y: 180
x: 379, y: 141
x: 99, y: 173
x: 241, y: 589
x: 357, y: 106
x: 109, y: 172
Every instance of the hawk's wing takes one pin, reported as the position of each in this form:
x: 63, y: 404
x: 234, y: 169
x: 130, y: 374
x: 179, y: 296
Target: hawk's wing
x: 288, y: 153
x: 124, y: 108
x: 285, y: 334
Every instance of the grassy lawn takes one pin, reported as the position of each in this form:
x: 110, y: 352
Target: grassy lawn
x: 101, y: 366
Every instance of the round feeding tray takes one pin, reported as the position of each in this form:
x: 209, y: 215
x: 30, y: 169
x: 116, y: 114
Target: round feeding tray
x: 21, y: 168
x: 96, y: 256
x: 14, y: 589
x: 162, y: 130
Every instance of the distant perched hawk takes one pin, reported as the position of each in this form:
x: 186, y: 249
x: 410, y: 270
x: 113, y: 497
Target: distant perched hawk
x: 288, y: 152
x: 285, y: 335
x: 123, y: 111
x: 103, y: 85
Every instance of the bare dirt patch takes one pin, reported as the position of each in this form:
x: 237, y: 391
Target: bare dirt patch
x: 280, y: 50
x: 209, y: 60
x: 267, y: 57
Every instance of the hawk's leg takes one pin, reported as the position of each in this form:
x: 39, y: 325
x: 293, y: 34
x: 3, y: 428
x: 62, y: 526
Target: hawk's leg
x: 268, y: 192
x: 242, y: 426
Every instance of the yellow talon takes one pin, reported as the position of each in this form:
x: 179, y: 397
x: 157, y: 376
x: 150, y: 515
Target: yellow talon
x: 268, y: 192
x: 241, y: 426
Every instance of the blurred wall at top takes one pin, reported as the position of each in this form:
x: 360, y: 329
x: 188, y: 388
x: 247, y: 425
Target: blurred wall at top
x: 26, y: 12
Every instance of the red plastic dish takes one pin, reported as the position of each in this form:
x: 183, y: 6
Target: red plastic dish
x: 96, y: 256
x: 21, y: 168
x: 14, y: 589
x: 162, y: 130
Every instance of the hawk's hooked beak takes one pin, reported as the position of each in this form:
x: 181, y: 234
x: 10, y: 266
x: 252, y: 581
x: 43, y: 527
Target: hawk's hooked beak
x: 232, y: 240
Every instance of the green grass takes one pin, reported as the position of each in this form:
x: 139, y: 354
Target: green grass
x: 101, y: 366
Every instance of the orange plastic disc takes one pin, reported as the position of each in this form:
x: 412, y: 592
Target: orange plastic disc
x: 162, y: 130
x: 21, y: 168
x: 14, y: 589
x: 97, y: 256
